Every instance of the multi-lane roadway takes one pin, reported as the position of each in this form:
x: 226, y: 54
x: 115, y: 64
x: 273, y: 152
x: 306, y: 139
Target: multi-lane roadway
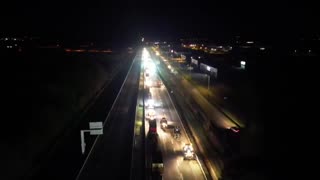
x: 112, y: 152
x: 175, y: 166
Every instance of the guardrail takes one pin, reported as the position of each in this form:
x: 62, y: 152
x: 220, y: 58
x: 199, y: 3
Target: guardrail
x: 138, y: 140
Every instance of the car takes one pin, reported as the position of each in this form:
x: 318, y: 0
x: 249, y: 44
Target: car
x: 176, y: 132
x: 150, y: 104
x: 188, y: 152
x: 151, y: 113
x: 234, y: 129
x: 163, y: 123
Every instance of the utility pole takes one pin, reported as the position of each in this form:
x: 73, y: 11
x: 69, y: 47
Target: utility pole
x: 208, y: 82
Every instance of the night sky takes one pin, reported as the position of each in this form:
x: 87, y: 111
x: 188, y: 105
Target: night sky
x: 124, y: 20
x: 118, y: 21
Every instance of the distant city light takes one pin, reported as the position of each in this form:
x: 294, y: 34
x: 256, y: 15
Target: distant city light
x: 262, y: 48
x: 199, y: 57
x: 142, y: 39
x: 208, y: 68
x: 171, y: 51
x: 250, y: 42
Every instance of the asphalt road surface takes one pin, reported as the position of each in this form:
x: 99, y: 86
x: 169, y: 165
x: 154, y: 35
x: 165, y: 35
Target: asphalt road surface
x: 175, y: 167
x: 112, y: 150
x: 207, y: 143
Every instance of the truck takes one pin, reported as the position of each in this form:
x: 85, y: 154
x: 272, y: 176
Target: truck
x: 153, y: 126
x: 157, y: 166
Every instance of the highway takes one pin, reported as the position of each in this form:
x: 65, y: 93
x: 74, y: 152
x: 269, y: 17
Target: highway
x: 175, y: 167
x: 111, y: 151
x: 211, y: 112
x: 64, y: 158
x: 196, y: 111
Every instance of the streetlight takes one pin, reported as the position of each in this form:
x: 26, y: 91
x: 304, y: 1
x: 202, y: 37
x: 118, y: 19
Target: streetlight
x: 243, y: 64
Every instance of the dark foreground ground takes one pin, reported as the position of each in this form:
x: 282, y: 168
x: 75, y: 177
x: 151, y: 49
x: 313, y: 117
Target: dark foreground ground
x: 46, y: 92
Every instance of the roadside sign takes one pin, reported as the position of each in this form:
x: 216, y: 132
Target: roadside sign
x: 95, y: 125
x: 96, y: 132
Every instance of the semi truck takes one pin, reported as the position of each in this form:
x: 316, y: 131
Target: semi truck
x: 157, y: 165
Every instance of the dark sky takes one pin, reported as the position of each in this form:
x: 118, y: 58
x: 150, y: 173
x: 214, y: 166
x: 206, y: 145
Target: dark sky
x: 122, y: 20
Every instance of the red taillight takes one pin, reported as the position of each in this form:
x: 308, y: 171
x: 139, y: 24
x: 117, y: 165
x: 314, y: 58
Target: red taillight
x: 235, y: 130
x: 153, y: 130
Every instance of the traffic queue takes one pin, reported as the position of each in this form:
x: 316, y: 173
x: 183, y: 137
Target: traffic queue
x: 152, y: 81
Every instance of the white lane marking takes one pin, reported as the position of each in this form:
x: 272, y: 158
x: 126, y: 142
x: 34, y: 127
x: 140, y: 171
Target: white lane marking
x: 171, y: 112
x: 204, y: 175
x: 178, y: 169
x: 114, y: 102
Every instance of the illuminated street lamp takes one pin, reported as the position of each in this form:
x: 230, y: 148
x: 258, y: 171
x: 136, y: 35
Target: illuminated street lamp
x: 243, y: 64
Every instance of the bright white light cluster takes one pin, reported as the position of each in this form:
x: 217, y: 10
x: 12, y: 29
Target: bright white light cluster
x: 148, y: 65
x: 145, y: 55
